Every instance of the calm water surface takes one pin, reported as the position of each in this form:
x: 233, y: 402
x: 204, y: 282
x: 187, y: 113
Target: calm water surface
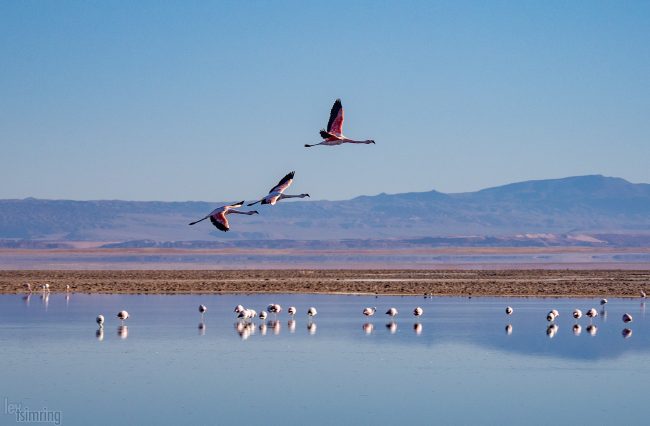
x: 455, y: 365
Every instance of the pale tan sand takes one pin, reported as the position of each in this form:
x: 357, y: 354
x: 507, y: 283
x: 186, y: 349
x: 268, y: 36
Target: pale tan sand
x: 568, y: 283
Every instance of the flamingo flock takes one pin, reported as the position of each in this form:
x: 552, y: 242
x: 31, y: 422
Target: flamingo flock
x: 591, y: 329
x: 332, y: 135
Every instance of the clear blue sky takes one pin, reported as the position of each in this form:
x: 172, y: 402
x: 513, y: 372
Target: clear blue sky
x: 214, y: 100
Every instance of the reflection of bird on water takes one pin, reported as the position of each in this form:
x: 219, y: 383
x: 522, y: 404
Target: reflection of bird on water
x: 369, y: 311
x: 123, y: 316
x: 626, y: 333
x: 291, y: 325
x: 45, y: 298
x: 368, y: 328
x: 577, y: 329
x: 418, y: 311
x: 509, y: 310
x: 123, y: 332
x: 392, y: 327
x: 262, y: 329
x: 551, y: 330
x: 202, y: 328
x: 592, y: 329
x: 391, y: 312
x: 311, y: 328
x: 417, y: 327
x: 99, y: 334
x: 508, y: 329
x: 275, y: 326
x: 244, y: 329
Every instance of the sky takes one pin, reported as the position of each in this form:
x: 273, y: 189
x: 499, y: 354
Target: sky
x: 213, y: 101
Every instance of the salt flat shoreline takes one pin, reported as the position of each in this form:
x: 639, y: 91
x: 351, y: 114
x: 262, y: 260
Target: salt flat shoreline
x: 507, y: 282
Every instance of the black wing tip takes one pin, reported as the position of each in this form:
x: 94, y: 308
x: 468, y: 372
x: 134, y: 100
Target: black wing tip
x: 337, y: 101
x: 290, y: 175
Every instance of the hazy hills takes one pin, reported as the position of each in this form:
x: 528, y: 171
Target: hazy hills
x: 575, y: 205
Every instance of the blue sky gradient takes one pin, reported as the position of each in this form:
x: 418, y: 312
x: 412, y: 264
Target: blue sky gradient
x: 214, y: 100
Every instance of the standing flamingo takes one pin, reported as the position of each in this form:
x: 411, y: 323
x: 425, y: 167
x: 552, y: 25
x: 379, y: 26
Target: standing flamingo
x: 334, y: 133
x: 123, y: 315
x: 202, y: 310
x: 218, y: 216
x: 277, y: 192
x: 369, y: 311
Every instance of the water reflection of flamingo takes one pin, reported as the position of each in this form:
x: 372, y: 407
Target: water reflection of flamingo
x: 508, y: 329
x: 123, y: 332
x: 26, y: 299
x: 552, y: 330
x: 392, y: 327
x: 417, y: 328
x: 311, y: 328
x: 368, y: 328
x: 291, y: 325
x: 577, y: 329
x: 275, y: 326
x: 262, y: 329
x: 202, y: 328
x: 99, y: 334
x: 627, y: 332
x: 592, y: 329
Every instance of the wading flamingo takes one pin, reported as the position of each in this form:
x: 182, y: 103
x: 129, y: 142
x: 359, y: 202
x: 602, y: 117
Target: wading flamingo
x: 218, y: 216
x: 277, y: 192
x: 334, y: 133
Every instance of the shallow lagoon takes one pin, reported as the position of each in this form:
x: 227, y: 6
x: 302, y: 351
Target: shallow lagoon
x: 462, y: 367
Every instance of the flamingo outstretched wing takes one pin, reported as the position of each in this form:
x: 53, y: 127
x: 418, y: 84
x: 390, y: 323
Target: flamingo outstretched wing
x: 235, y: 205
x: 284, y: 183
x: 335, y: 124
x: 219, y: 220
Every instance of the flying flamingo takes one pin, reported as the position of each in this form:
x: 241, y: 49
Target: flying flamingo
x: 218, y: 216
x: 334, y: 133
x: 277, y: 192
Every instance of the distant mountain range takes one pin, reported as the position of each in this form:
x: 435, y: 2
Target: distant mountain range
x: 569, y: 209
